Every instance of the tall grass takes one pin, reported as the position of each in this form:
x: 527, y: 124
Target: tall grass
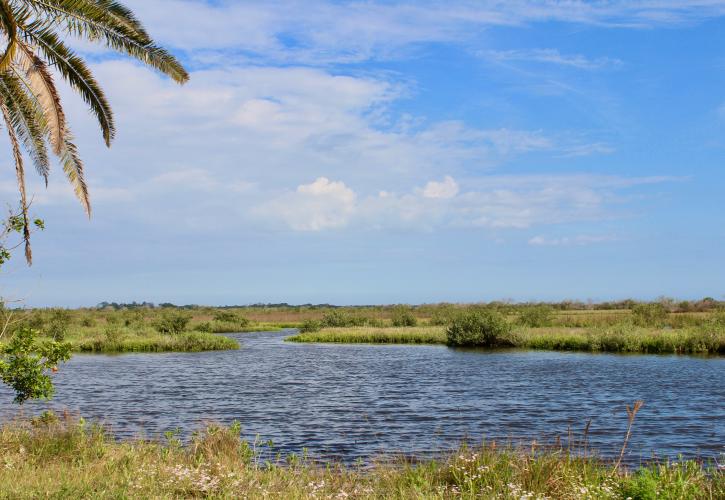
x: 371, y: 335
x: 124, y: 339
x: 623, y: 338
x: 66, y: 458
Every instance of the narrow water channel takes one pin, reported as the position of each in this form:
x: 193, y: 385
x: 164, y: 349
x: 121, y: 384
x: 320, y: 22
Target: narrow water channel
x: 359, y: 401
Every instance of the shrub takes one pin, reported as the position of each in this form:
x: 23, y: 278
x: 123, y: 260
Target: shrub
x: 172, y: 323
x: 654, y: 314
x: 402, y: 316
x: 536, y: 316
x: 340, y: 319
x: 442, y: 316
x: 310, y: 325
x: 230, y: 317
x: 479, y: 328
x: 112, y: 333
x: 204, y: 327
x: 88, y: 322
x: 57, y: 326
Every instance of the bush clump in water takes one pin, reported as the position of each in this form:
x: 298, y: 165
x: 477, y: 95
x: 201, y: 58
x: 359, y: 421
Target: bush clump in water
x: 479, y: 329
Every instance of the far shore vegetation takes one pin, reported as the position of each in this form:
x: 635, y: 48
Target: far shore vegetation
x: 662, y: 327
x: 54, y: 456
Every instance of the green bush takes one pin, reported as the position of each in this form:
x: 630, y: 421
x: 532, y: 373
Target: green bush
x: 57, y: 326
x: 654, y: 314
x: 230, y: 317
x: 310, y: 325
x: 88, y: 322
x: 403, y: 316
x: 479, y: 328
x: 172, y: 323
x: 112, y: 333
x: 340, y: 319
x: 536, y: 316
x: 204, y: 327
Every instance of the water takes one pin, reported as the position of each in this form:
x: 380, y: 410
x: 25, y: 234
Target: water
x: 358, y: 401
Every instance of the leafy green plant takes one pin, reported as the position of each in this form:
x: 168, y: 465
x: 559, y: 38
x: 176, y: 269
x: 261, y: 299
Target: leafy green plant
x: 172, y: 323
x: 310, y: 325
x: 654, y: 314
x: 403, y: 316
x: 25, y: 364
x: 230, y: 317
x: 536, y: 316
x: 483, y: 328
x: 57, y: 326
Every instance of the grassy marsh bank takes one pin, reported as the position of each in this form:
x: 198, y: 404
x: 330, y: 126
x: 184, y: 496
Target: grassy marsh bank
x: 71, y: 459
x: 616, y: 339
x: 150, y: 341
x: 375, y: 335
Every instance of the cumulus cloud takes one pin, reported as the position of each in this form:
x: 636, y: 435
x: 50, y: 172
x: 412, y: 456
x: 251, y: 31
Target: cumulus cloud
x: 448, y: 188
x: 322, y: 204
x: 492, y: 204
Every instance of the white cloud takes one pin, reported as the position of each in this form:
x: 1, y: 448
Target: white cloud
x: 552, y: 56
x: 319, y: 32
x: 580, y: 240
x: 494, y: 203
x: 448, y: 188
x: 323, y: 204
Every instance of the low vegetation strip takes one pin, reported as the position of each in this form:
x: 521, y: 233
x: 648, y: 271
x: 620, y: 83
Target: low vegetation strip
x: 373, y: 335
x: 152, y: 342
x: 618, y: 339
x: 64, y: 458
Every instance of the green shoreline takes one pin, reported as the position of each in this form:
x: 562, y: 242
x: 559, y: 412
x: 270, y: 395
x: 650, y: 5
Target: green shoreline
x: 616, y: 339
x: 52, y: 457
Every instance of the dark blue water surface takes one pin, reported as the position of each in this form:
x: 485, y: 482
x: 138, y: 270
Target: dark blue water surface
x: 358, y: 401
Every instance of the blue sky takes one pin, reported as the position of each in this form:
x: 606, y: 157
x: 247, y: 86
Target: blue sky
x: 377, y: 152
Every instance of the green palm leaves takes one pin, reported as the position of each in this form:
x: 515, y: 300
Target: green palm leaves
x: 33, y: 36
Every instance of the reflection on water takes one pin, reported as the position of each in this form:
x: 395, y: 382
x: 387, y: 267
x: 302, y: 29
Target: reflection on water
x: 351, y: 401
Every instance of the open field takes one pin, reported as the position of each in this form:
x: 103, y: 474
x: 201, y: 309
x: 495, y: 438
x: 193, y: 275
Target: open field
x: 622, y: 338
x: 61, y: 457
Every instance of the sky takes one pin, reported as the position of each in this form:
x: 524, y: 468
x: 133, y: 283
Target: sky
x: 396, y: 152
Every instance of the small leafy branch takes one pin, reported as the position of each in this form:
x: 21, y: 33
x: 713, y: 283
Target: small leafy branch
x: 26, y: 365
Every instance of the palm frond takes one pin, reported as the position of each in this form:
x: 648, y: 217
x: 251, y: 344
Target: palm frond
x: 20, y: 172
x: 113, y: 24
x: 26, y: 118
x: 40, y: 83
x: 9, y: 26
x: 73, y: 168
x: 75, y: 71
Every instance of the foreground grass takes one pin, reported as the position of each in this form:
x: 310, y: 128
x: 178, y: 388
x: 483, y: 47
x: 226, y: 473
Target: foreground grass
x: 69, y: 459
x: 619, y: 338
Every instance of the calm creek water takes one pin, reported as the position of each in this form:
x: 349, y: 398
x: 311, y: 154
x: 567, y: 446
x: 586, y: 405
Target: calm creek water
x: 358, y: 401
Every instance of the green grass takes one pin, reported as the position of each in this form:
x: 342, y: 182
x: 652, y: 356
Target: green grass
x: 124, y: 339
x: 372, y: 335
x: 622, y: 338
x: 52, y: 458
